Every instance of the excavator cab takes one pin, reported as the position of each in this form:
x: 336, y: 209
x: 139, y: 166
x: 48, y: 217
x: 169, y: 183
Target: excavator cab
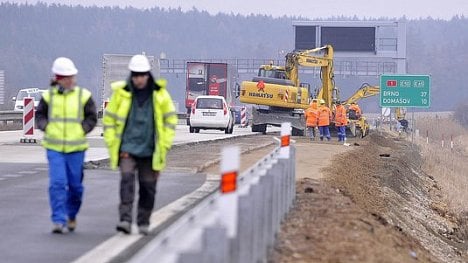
x: 273, y: 72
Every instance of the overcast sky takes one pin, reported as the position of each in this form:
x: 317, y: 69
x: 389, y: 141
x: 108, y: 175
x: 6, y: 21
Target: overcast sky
x: 307, y: 8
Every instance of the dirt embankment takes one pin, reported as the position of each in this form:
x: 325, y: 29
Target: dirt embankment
x: 374, y: 204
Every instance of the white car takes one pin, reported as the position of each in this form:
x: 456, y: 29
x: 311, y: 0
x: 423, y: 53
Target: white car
x: 211, y: 112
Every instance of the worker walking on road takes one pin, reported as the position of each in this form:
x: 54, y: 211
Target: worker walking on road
x: 341, y: 121
x: 311, y: 115
x: 139, y: 127
x: 324, y: 117
x: 66, y: 113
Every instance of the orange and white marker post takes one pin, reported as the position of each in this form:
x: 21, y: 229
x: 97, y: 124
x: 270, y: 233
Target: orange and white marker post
x: 228, y: 202
x: 285, y: 140
x: 243, y: 117
x: 28, y: 121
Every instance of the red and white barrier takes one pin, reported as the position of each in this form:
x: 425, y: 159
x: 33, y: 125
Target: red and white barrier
x: 244, y: 117
x: 28, y: 121
x: 286, y: 96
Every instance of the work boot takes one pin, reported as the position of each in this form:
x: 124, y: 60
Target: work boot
x: 71, y: 225
x: 144, y: 230
x: 124, y: 227
x: 57, y: 229
x: 321, y: 138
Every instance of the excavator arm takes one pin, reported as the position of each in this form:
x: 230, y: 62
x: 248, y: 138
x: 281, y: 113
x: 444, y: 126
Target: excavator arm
x: 306, y: 59
x: 364, y: 91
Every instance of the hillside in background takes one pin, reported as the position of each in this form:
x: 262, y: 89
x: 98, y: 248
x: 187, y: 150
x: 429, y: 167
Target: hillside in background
x: 31, y: 36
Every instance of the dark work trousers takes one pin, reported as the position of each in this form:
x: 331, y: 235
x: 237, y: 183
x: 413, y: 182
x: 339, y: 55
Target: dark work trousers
x: 147, y: 178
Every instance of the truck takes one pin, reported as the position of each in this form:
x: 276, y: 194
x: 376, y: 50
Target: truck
x: 35, y: 93
x: 115, y: 68
x: 206, y: 78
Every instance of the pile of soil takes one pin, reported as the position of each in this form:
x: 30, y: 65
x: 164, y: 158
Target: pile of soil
x: 374, y: 205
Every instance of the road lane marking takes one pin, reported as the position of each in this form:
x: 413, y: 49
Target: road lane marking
x: 11, y: 175
x: 27, y: 172
x: 117, y: 244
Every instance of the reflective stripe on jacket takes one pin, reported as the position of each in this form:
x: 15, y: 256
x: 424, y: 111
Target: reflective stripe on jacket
x: 115, y: 116
x: 324, y: 116
x: 64, y: 131
x: 340, y: 116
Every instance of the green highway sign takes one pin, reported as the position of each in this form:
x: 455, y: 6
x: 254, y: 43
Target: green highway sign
x: 405, y: 91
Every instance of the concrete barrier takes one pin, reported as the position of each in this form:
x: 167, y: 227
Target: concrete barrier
x: 237, y: 224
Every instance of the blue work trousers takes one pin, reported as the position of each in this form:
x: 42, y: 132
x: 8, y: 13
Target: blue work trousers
x: 341, y: 133
x: 65, y: 184
x: 324, y: 131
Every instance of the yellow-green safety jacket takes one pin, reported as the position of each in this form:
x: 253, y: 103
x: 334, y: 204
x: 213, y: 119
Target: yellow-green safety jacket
x: 115, y: 117
x: 64, y: 131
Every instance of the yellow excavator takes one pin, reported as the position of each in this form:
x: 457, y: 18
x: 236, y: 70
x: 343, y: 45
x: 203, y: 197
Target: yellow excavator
x: 360, y: 126
x: 278, y: 94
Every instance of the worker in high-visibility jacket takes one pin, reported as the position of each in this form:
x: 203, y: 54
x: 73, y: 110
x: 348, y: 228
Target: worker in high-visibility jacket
x: 354, y: 111
x: 66, y: 113
x: 311, y: 115
x: 341, y: 121
x: 139, y: 128
x: 324, y: 117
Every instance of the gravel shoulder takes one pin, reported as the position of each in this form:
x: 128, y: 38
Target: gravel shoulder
x: 371, y: 204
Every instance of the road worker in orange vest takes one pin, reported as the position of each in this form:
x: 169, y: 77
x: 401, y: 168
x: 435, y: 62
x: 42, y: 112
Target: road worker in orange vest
x: 341, y: 121
x: 354, y: 111
x: 311, y: 115
x: 324, y: 117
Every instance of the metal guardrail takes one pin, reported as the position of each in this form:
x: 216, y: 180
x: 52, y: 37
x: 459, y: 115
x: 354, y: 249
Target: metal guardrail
x: 235, y: 227
x: 16, y: 116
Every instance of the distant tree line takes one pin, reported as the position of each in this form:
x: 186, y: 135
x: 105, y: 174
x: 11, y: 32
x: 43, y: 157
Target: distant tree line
x: 31, y: 36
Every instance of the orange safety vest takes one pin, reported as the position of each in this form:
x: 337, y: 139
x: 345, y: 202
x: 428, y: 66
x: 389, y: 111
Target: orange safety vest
x: 340, y: 116
x: 324, y: 116
x: 311, y: 115
x: 355, y: 108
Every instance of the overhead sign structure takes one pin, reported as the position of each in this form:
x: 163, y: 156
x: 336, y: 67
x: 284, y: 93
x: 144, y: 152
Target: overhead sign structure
x: 405, y: 91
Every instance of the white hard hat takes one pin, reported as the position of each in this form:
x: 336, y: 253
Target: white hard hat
x: 64, y: 67
x: 139, y: 63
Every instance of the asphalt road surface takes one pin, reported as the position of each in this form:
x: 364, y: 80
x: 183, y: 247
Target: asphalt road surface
x: 24, y: 219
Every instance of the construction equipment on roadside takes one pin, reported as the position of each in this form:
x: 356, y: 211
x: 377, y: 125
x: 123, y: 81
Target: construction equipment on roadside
x: 360, y: 126
x: 279, y: 96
